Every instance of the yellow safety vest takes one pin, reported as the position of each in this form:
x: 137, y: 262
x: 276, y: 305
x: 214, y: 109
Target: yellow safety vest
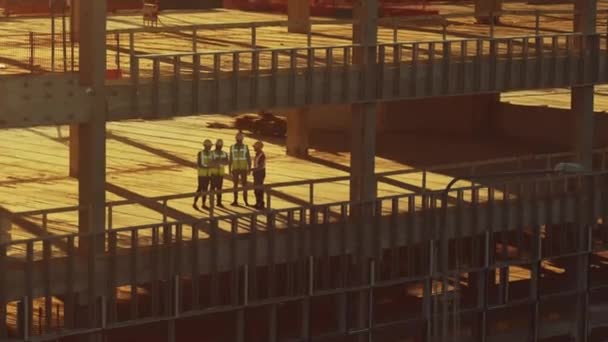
x: 239, y: 157
x: 205, y: 160
x: 218, y: 170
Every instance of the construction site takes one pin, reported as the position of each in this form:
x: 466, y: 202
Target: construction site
x: 436, y: 171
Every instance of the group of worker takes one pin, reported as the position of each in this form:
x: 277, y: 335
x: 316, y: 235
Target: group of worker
x: 211, y: 171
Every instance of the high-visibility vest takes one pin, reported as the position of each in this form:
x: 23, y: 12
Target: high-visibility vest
x: 205, y: 161
x: 256, y: 161
x: 239, y: 157
x: 218, y: 170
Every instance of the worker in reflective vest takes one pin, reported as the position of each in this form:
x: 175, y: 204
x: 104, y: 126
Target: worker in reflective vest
x: 259, y: 173
x: 240, y: 164
x: 204, y: 173
x: 219, y: 160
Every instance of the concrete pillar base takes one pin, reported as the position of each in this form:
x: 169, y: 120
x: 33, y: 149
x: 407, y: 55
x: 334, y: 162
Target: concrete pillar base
x: 297, y: 133
x: 298, y: 16
x: 485, y: 11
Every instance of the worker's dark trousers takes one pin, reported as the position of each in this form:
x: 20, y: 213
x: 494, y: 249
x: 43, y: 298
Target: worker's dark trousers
x: 203, y: 186
x: 239, y: 177
x: 217, y: 183
x: 258, y: 179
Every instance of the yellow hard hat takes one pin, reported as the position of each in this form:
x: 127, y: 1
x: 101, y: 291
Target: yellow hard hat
x: 207, y: 142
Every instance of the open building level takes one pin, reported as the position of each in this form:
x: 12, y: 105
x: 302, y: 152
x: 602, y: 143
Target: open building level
x: 412, y: 198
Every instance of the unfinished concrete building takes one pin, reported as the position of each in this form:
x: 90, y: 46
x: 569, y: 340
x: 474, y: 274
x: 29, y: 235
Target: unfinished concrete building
x: 398, y: 235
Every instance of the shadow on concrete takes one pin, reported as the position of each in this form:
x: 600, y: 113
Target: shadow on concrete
x: 59, y: 139
x: 152, y: 205
x: 32, y: 228
x: 187, y: 163
x: 153, y: 150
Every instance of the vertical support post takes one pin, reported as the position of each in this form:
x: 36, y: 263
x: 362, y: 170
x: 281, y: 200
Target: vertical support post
x: 3, y: 259
x: 364, y: 116
x: 537, y: 23
x: 583, y: 218
x: 363, y: 150
x: 582, y: 97
x: 52, y: 37
x: 131, y: 43
x: 309, y: 38
x: 32, y: 52
x: 194, y: 41
x: 64, y: 40
x: 363, y: 135
x: 253, y: 36
x: 297, y: 132
x: 298, y: 16
x: 74, y: 21
x: 485, y: 11
x: 117, y: 39
x: 91, y: 135
x: 90, y: 139
x: 395, y: 31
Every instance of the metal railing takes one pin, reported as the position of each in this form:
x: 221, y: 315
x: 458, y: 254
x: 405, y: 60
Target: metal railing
x: 326, y: 75
x: 269, y: 59
x: 172, y: 253
x: 35, y: 52
x: 42, y: 52
x: 420, y: 183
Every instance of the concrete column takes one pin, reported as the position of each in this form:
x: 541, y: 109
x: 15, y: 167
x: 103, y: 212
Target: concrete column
x: 582, y: 97
x: 88, y: 140
x: 582, y: 112
x: 298, y: 16
x: 230, y: 4
x: 363, y: 145
x: 364, y: 116
x: 74, y: 19
x: 74, y: 150
x: 483, y: 108
x: 363, y: 151
x: 88, y: 154
x: 297, y: 133
x: 484, y: 9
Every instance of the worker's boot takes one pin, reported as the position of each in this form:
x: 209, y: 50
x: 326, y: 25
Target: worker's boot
x: 205, y: 203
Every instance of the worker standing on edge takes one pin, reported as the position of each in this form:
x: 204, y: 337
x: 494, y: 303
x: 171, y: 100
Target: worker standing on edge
x: 240, y: 164
x: 219, y: 160
x: 204, y: 173
x: 259, y: 173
